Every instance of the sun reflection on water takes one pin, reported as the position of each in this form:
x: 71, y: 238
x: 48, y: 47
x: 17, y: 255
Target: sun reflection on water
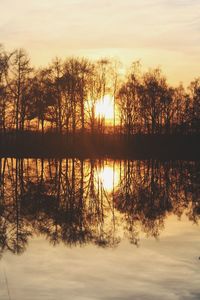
x: 108, y: 175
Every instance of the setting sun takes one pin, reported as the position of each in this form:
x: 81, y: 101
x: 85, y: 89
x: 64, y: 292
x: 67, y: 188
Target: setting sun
x: 104, y: 108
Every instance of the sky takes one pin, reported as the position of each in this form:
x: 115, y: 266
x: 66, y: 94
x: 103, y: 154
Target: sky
x: 163, y: 33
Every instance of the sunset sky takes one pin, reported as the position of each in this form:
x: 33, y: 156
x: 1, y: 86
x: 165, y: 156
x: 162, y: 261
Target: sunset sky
x: 162, y: 33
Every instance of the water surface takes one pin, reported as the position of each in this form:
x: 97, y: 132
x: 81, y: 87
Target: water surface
x: 99, y: 229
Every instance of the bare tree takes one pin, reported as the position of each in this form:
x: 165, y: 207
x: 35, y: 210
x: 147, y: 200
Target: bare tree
x: 19, y: 72
x: 128, y: 99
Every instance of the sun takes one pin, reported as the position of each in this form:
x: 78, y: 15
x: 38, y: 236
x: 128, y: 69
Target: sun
x: 104, y: 108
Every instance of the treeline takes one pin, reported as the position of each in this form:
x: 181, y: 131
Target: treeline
x: 97, y: 202
x: 62, y: 97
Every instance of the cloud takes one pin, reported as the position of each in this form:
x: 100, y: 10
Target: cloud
x: 68, y: 26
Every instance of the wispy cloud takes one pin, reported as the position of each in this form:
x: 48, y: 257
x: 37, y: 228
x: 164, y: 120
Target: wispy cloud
x: 54, y: 25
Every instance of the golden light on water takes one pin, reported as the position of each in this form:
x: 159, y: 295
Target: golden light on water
x: 109, y: 177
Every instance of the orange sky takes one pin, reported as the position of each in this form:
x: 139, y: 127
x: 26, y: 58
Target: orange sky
x: 159, y: 32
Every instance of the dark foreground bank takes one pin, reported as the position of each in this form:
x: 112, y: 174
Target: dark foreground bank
x: 34, y: 144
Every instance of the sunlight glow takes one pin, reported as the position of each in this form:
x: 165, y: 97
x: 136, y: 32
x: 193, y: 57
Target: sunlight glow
x: 104, y: 108
x: 109, y: 177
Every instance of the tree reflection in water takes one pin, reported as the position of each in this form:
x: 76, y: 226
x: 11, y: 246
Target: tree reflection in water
x: 78, y: 202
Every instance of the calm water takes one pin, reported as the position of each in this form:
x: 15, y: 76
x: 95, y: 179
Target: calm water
x: 99, y: 229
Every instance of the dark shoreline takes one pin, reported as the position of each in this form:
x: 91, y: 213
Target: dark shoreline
x: 35, y: 144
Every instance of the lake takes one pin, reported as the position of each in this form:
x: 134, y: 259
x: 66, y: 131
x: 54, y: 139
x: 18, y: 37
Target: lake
x: 99, y: 229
